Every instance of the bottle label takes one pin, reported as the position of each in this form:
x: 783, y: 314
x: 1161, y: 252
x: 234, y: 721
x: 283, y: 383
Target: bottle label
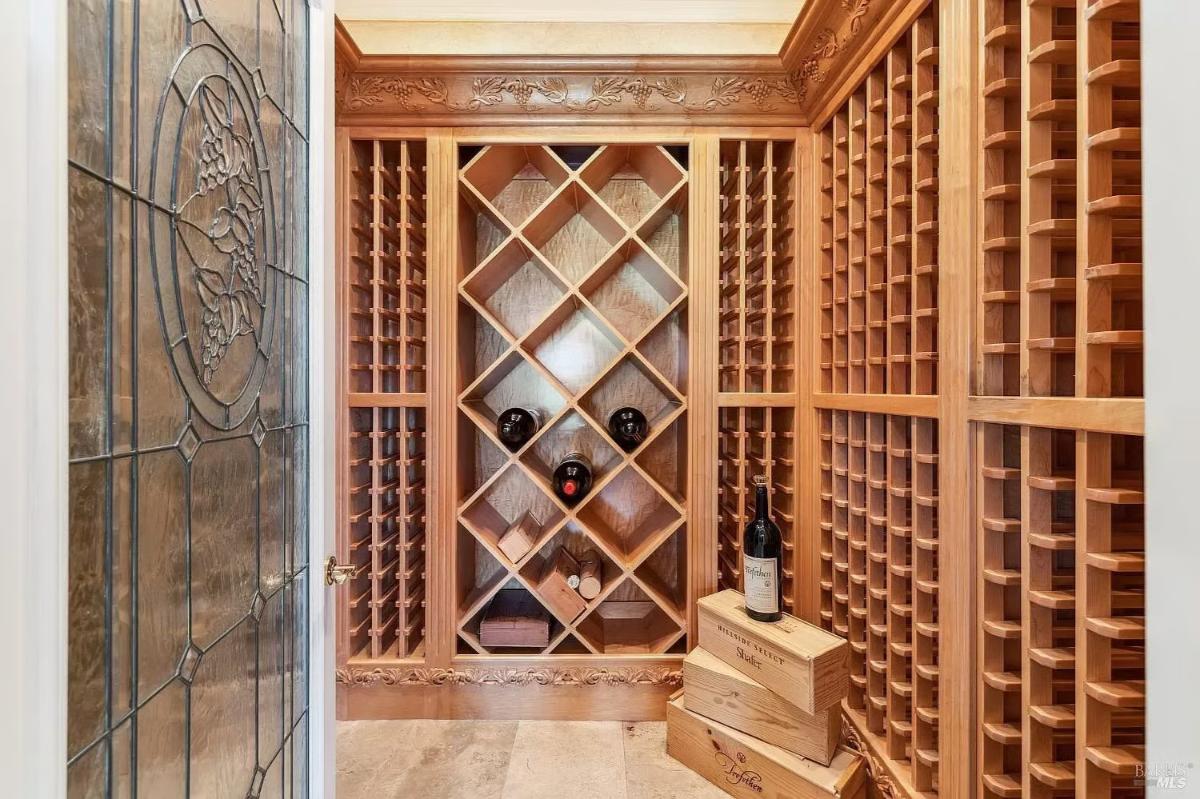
x: 762, y: 584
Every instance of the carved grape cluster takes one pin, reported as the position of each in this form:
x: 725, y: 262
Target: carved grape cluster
x: 641, y: 92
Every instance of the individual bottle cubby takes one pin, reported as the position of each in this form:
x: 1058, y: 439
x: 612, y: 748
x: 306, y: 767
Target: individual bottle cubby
x: 1001, y: 572
x: 386, y: 525
x: 878, y: 504
x: 900, y: 218
x: 1000, y: 277
x: 878, y: 226
x: 757, y: 267
x: 754, y: 441
x: 572, y: 300
x: 1111, y: 601
x: 386, y: 268
x: 1111, y: 203
x: 925, y: 97
x: 1051, y: 111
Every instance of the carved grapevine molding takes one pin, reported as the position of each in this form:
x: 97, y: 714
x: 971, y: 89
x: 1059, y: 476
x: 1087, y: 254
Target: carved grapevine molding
x: 650, y: 675
x: 364, y: 92
x: 875, y: 769
x: 827, y: 45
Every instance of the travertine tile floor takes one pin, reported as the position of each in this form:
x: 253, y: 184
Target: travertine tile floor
x: 511, y: 760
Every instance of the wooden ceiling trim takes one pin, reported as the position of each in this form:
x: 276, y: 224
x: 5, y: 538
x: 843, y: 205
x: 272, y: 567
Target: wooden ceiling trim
x: 834, y: 43
x: 830, y: 43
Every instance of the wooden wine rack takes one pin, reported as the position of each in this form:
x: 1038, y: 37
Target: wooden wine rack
x: 384, y: 422
x: 757, y: 355
x: 755, y: 441
x: 878, y: 480
x: 1059, y: 522
x: 758, y: 283
x: 879, y: 575
x: 920, y: 316
x: 1000, y: 288
x: 879, y: 227
x: 573, y: 288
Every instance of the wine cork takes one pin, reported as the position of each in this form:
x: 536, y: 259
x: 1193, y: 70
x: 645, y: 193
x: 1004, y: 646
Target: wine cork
x: 590, y: 575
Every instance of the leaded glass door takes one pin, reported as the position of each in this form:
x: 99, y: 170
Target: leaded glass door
x: 189, y: 571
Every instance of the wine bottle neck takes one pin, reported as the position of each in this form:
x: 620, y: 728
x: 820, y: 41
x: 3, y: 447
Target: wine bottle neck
x: 762, y: 505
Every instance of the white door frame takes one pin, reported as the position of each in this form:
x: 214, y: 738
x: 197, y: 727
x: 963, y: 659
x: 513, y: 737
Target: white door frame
x: 33, y: 396
x: 322, y: 395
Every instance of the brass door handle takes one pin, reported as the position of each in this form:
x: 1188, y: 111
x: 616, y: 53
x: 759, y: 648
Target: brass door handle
x: 337, y: 573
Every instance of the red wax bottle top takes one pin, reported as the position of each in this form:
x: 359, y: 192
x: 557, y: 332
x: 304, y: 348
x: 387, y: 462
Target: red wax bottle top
x: 570, y: 487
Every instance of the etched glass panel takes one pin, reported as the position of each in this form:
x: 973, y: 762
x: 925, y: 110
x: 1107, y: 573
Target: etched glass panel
x: 188, y: 398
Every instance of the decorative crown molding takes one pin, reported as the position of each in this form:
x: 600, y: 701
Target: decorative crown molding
x: 777, y: 90
x: 572, y: 94
x: 834, y: 42
x: 571, y: 675
x: 808, y: 53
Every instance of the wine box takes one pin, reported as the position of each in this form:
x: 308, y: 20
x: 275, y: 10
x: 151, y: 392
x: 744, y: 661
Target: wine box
x: 552, y: 587
x: 745, y: 766
x: 520, y: 537
x: 514, y: 618
x: 801, y: 663
x: 716, y: 690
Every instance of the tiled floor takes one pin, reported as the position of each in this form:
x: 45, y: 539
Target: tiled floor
x: 511, y: 760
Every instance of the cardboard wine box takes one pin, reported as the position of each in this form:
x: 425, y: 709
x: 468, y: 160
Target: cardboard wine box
x: 744, y: 766
x: 716, y: 690
x: 801, y: 663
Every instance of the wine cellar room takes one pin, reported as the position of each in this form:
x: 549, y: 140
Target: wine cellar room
x: 839, y: 315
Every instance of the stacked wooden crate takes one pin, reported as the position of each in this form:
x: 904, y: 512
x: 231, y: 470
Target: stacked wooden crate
x: 760, y: 709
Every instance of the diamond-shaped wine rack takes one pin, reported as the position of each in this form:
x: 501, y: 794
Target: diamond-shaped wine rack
x: 572, y: 292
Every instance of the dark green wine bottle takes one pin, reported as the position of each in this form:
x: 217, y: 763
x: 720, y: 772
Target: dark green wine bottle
x: 762, y: 551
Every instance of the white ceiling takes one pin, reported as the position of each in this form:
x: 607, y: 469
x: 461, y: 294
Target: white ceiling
x: 623, y: 11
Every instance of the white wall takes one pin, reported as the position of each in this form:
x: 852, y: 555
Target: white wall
x: 1171, y: 145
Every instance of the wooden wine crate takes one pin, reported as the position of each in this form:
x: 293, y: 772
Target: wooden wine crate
x: 554, y: 589
x: 515, y: 619
x: 520, y: 537
x: 802, y: 664
x: 744, y: 766
x: 717, y: 691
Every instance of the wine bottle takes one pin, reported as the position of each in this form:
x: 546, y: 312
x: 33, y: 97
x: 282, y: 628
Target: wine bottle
x: 762, y: 547
x: 628, y: 428
x: 573, y: 478
x: 516, y: 426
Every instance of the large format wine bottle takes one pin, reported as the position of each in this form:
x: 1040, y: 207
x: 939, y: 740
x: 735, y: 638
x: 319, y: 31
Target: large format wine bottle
x: 516, y: 426
x: 762, y: 548
x: 628, y: 428
x: 573, y: 478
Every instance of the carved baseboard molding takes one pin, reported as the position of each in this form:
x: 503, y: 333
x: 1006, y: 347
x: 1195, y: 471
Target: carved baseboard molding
x: 616, y: 676
x: 875, y: 770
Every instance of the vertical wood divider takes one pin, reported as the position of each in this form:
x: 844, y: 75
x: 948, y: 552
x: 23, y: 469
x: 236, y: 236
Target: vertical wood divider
x: 342, y: 426
x: 441, y: 188
x: 958, y: 185
x: 807, y: 559
x: 704, y: 189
